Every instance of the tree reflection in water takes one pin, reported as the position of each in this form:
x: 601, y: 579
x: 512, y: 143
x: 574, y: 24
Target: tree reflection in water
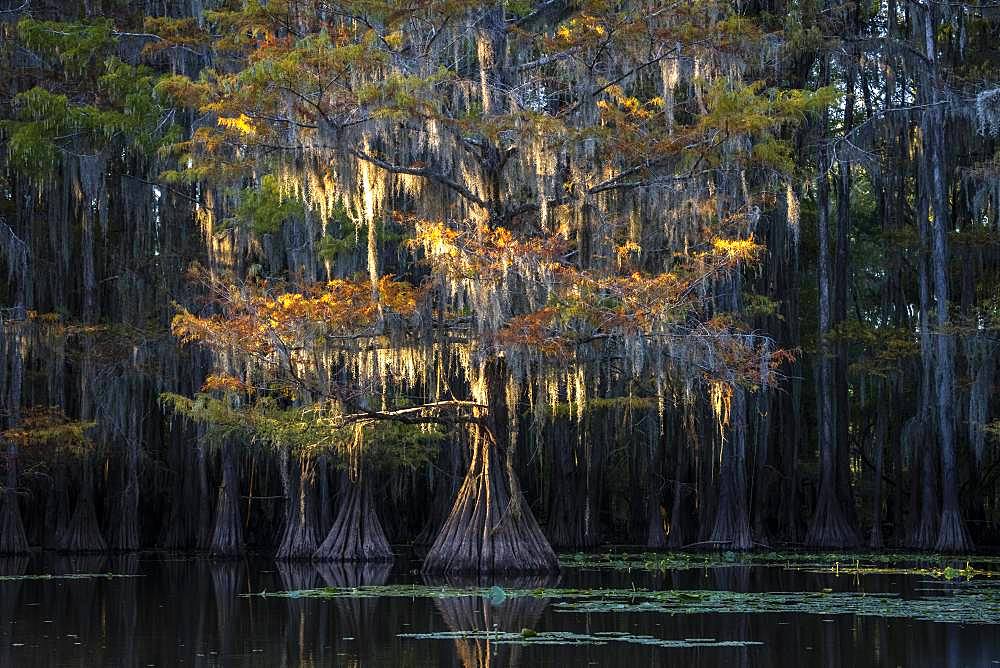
x: 489, y: 614
x: 185, y: 611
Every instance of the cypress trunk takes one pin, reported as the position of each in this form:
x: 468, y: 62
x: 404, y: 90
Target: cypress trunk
x: 491, y: 529
x: 952, y: 535
x: 356, y: 534
x: 732, y: 519
x: 829, y: 526
x: 680, y: 507
x: 12, y: 537
x: 126, y: 534
x: 83, y: 533
x: 446, y: 482
x: 227, y: 536
x: 656, y: 536
x: 299, y: 539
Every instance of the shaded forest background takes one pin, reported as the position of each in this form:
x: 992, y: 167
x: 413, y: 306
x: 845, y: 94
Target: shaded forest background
x: 295, y: 275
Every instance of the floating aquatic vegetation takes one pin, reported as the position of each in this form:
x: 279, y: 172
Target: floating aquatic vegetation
x: 493, y: 595
x: 934, y: 565
x: 67, y: 576
x: 570, y: 638
x: 972, y: 606
x: 966, y: 572
x: 961, y: 603
x: 381, y: 591
x: 650, y: 561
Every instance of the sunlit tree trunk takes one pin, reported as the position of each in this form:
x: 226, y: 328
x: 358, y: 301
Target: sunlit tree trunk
x: 491, y: 528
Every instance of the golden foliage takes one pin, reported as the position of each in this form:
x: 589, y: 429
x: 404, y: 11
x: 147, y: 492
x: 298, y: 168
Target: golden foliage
x: 48, y: 426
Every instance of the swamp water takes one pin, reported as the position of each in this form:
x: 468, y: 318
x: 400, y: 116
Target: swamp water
x: 626, y: 610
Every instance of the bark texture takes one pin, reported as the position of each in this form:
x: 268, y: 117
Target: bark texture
x: 356, y: 534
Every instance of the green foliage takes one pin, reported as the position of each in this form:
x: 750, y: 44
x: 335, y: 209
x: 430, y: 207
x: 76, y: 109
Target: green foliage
x: 44, y: 431
x: 761, y: 306
x: 76, y: 46
x: 305, y: 431
x: 883, y: 350
x: 345, y: 240
x: 399, y: 96
x: 45, y: 123
x: 265, y: 209
x: 219, y: 416
x: 519, y: 7
x: 395, y: 445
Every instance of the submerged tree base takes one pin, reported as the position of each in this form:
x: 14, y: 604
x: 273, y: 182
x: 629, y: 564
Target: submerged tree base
x: 953, y: 536
x: 12, y: 537
x: 357, y: 533
x: 490, y: 528
x: 299, y: 539
x: 829, y: 527
x: 83, y: 533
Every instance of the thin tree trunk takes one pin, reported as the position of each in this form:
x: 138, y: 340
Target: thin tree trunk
x: 924, y: 499
x: 841, y: 276
x: 829, y: 527
x: 56, y: 508
x: 13, y: 539
x: 952, y: 534
x: 732, y: 519
x: 656, y: 536
x: 204, y: 528
x: 875, y: 540
x: 180, y: 529
x: 126, y: 534
x: 574, y: 508
x: 680, y: 508
x: 760, y: 488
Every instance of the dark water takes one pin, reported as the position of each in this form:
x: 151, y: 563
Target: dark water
x: 189, y: 612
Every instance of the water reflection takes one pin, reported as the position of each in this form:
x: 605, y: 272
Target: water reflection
x: 194, y: 612
x: 9, y: 567
x: 481, y: 614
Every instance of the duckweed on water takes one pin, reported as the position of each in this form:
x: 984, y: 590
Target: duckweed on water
x: 963, y: 604
x: 966, y: 572
x: 862, y: 563
x: 569, y: 638
x: 969, y: 607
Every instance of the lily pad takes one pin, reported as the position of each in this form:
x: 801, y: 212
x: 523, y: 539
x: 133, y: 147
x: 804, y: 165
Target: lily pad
x: 496, y: 595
